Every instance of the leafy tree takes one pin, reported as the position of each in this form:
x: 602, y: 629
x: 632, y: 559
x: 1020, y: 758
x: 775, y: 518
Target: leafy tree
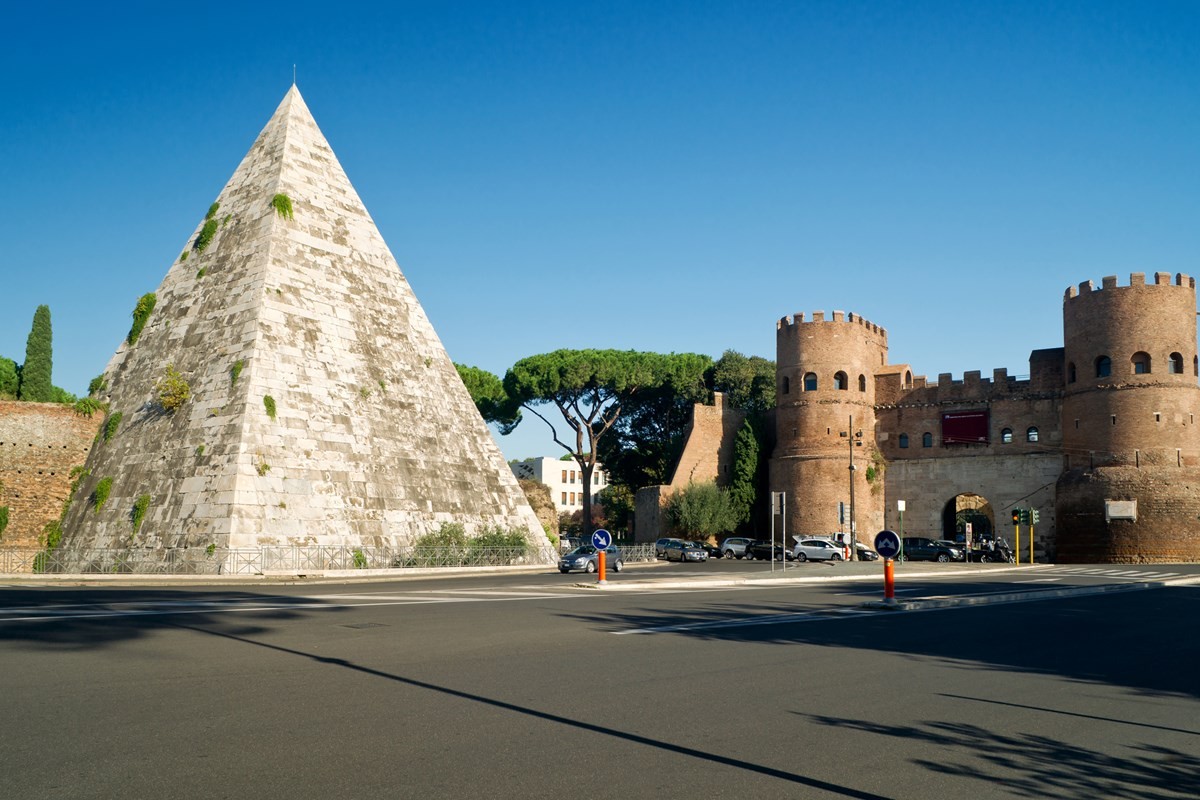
x: 9, y: 382
x: 743, y: 487
x: 618, y: 504
x: 590, y: 389
x: 35, y: 373
x: 747, y: 381
x: 490, y: 398
x: 701, y: 510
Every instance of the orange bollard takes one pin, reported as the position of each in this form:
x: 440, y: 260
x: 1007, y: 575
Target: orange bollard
x: 600, y: 572
x: 889, y: 581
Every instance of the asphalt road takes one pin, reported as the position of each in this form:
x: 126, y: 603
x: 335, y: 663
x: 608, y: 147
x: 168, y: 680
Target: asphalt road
x: 661, y: 685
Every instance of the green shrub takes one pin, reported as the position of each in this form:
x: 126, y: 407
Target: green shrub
x: 98, y: 384
x: 9, y: 380
x: 269, y: 404
x: 3, y: 519
x: 205, y: 237
x: 200, y: 273
x: 225, y: 221
x: 212, y: 548
x: 212, y: 211
x: 172, y: 390
x: 184, y: 256
x: 235, y: 371
x: 360, y: 560
x: 262, y: 468
x: 52, y: 534
x: 87, y: 406
x: 101, y: 492
x: 282, y: 205
x: 139, y: 512
x: 110, y: 426
x: 200, y: 450
x: 141, y: 313
x: 701, y: 510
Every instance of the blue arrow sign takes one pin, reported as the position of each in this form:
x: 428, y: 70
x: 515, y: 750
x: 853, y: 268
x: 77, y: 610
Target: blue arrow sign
x: 887, y: 544
x: 601, y: 539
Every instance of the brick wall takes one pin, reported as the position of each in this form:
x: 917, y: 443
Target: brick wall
x: 39, y: 445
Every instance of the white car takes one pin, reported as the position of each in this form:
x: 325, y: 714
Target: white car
x: 816, y: 549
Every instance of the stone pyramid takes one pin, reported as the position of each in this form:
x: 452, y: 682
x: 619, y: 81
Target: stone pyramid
x: 323, y: 408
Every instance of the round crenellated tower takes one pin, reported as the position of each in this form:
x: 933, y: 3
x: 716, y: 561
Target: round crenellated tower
x: 825, y: 374
x: 1130, y: 488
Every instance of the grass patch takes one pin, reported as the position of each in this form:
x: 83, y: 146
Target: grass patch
x: 282, y: 205
x: 139, y: 512
x: 204, y: 239
x: 101, y: 492
x: 235, y: 371
x: 269, y: 405
x: 110, y: 426
x: 141, y: 313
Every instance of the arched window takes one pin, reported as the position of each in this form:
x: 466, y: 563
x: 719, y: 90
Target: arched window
x: 1006, y: 435
x: 1031, y: 435
x: 1071, y: 372
x: 810, y: 381
x: 903, y: 441
x: 907, y: 379
x: 1141, y: 363
x: 840, y: 381
x: 1175, y: 364
x: 926, y: 439
x: 787, y: 385
x: 1103, y: 367
x: 862, y: 383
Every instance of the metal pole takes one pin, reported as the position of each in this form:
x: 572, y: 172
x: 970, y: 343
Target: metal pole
x: 853, y: 549
x: 773, y: 506
x: 783, y: 526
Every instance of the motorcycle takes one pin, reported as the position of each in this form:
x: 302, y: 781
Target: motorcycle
x: 999, y: 553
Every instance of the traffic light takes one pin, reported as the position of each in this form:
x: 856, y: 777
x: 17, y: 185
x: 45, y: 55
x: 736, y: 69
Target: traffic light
x: 1016, y: 516
x: 1034, y: 516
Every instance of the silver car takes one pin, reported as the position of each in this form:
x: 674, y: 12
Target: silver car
x: 735, y: 547
x: 814, y: 549
x: 587, y: 558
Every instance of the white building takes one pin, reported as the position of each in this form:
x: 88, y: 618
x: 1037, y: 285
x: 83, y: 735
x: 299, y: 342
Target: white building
x: 564, y: 478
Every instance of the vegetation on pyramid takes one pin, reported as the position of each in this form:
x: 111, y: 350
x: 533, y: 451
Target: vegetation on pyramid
x: 141, y: 313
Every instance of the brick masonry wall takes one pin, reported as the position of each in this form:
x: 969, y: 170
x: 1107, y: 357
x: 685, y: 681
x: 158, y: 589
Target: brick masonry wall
x: 708, y: 452
x: 39, y: 445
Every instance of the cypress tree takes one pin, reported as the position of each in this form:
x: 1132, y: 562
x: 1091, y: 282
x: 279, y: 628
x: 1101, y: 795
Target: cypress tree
x: 742, y: 487
x: 35, y: 374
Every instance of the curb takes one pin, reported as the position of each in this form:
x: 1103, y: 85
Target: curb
x: 1023, y: 597
x: 706, y: 583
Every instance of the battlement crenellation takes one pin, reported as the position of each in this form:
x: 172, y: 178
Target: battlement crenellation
x: 1136, y: 279
x: 797, y: 319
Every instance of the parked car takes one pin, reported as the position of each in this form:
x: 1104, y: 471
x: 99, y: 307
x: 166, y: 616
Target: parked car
x: 865, y: 553
x: 587, y: 559
x: 712, y: 550
x: 918, y: 548
x: 735, y: 546
x: 762, y: 548
x: 817, y: 549
x: 567, y: 543
x: 677, y: 550
x: 660, y: 547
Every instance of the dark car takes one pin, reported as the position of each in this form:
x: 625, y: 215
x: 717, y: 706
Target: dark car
x: 865, y: 553
x: 918, y: 548
x: 676, y: 550
x: 762, y: 548
x: 587, y: 558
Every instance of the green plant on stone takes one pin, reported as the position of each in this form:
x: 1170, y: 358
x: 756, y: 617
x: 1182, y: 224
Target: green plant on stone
x: 200, y: 273
x: 212, y: 211
x: 360, y: 560
x: 141, y: 313
x: 87, y: 406
x: 212, y: 548
x: 262, y: 468
x: 139, y: 512
x: 282, y: 205
x: 172, y: 390
x: 205, y: 237
x: 200, y: 450
x: 184, y: 256
x: 364, y: 392
x: 3, y: 519
x: 98, y: 384
x: 101, y: 492
x: 225, y: 221
x: 235, y: 371
x: 52, y: 534
x: 269, y: 405
x: 111, y: 424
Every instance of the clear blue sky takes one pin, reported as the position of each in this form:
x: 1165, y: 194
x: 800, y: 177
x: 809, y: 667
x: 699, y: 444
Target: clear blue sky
x: 668, y: 176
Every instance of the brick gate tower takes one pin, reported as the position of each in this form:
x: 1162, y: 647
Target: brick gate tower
x: 1130, y: 440
x: 825, y: 374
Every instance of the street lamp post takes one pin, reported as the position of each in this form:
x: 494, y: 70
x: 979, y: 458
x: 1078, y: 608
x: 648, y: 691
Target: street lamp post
x: 853, y: 542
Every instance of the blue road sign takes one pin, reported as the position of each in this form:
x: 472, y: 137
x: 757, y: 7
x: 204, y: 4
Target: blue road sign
x: 887, y: 544
x: 601, y: 539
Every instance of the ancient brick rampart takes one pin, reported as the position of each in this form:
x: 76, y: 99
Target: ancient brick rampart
x: 708, y: 450
x: 39, y: 445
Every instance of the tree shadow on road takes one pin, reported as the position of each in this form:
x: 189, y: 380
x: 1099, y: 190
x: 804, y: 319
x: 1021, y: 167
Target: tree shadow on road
x: 1030, y: 765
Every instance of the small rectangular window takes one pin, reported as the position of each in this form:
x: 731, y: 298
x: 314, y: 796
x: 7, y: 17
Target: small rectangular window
x: 564, y: 477
x: 1157, y: 417
x: 1114, y: 419
x: 1076, y: 424
x: 564, y: 500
